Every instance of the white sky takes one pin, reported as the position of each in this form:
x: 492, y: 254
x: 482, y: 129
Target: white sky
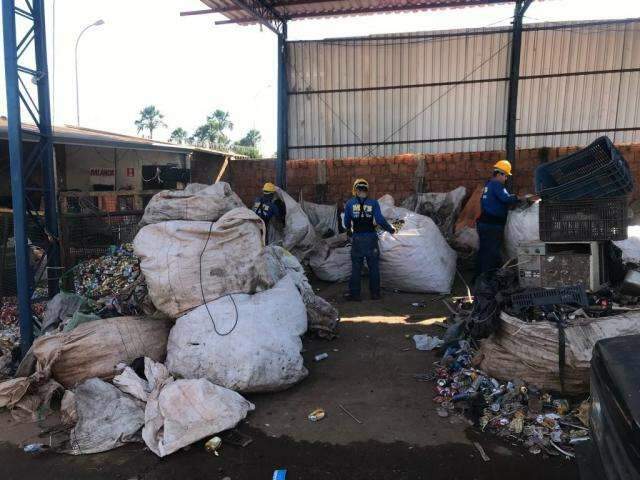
x: 145, y: 53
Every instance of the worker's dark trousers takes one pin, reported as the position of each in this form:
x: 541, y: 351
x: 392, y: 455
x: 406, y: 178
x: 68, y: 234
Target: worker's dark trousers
x: 489, y: 257
x: 364, y: 246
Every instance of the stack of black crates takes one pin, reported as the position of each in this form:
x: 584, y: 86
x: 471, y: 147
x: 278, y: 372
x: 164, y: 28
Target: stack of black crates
x: 584, y: 195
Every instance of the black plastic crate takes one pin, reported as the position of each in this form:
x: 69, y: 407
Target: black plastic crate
x: 591, y: 220
x: 596, y: 171
x: 538, y: 297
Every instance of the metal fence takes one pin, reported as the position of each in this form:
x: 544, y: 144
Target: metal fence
x: 89, y: 235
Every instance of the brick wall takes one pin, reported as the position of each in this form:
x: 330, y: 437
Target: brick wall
x: 399, y: 175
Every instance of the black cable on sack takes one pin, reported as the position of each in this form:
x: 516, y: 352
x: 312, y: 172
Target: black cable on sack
x: 204, y: 300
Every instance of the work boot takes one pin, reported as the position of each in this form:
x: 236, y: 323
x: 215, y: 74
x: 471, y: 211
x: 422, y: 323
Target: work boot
x: 352, y: 298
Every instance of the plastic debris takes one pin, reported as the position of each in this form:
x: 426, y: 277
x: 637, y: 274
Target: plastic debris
x: 505, y: 408
x: 34, y: 448
x: 10, y: 333
x: 426, y: 342
x: 481, y: 451
x: 212, y: 445
x: 317, y: 415
x: 320, y: 357
x: 115, y: 282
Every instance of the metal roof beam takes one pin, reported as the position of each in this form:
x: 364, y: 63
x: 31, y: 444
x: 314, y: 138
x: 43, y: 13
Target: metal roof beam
x: 350, y: 11
x: 359, y: 10
x: 262, y: 13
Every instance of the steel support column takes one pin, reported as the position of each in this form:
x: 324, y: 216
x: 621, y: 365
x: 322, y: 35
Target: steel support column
x: 514, y: 77
x: 38, y: 107
x: 46, y: 153
x: 14, y: 130
x: 283, y: 110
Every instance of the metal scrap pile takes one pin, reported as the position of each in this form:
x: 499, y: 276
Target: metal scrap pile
x: 512, y: 410
x: 115, y: 283
x: 397, y: 224
x: 10, y: 333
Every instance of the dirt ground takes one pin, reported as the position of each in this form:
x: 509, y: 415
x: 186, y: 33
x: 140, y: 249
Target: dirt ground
x: 369, y: 372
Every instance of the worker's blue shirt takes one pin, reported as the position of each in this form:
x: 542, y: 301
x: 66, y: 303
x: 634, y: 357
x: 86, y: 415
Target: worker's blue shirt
x: 266, y: 208
x: 495, y: 202
x: 362, y: 216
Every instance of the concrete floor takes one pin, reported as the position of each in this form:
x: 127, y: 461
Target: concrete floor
x: 369, y: 372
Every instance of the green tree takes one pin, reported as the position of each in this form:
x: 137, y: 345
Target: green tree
x: 221, y: 119
x: 212, y: 133
x: 149, y: 119
x: 251, y: 139
x: 251, y: 152
x: 179, y: 135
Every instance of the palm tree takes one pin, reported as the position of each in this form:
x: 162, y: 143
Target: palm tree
x: 251, y: 139
x: 222, y: 119
x: 201, y: 135
x: 150, y: 119
x: 179, y: 135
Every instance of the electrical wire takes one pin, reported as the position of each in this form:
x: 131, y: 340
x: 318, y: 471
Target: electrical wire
x: 204, y: 300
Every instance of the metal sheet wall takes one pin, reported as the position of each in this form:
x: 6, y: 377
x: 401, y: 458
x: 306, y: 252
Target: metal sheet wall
x: 447, y: 91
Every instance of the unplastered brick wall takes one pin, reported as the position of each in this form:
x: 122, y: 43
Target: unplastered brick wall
x: 330, y: 181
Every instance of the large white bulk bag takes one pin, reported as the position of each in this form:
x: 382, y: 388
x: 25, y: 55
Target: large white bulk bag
x: 195, y: 202
x: 324, y: 218
x: 248, y: 343
x: 187, y: 264
x: 631, y: 246
x: 331, y: 259
x: 522, y: 227
x: 322, y: 317
x: 181, y: 412
x: 417, y: 258
x: 107, y: 418
x: 298, y: 235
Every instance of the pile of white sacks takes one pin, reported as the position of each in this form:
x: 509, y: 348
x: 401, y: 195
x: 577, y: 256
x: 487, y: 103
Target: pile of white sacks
x: 231, y: 314
x: 415, y: 259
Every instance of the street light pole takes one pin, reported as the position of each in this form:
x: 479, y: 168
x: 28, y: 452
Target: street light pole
x: 94, y: 24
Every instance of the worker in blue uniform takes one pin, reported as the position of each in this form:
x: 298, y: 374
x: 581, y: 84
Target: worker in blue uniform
x: 267, y: 206
x: 361, y: 215
x: 495, y: 203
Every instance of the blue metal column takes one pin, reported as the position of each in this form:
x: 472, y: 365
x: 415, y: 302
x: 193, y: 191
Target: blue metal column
x: 46, y: 153
x: 283, y: 110
x: 514, y: 78
x: 23, y: 272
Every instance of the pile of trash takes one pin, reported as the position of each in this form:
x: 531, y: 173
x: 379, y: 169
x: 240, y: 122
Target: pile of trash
x: 114, y: 283
x: 228, y: 317
x: 513, y: 410
x: 442, y: 208
x: 10, y: 333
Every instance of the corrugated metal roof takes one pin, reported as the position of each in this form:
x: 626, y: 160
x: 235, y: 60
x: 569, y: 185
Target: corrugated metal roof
x: 70, y: 135
x: 301, y: 9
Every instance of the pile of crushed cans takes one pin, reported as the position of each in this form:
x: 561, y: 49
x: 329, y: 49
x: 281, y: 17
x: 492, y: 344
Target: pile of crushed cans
x: 512, y: 410
x: 114, y: 282
x: 10, y: 332
x: 98, y: 277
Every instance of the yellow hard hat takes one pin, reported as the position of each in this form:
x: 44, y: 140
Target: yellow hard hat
x: 360, y: 183
x: 269, y: 188
x: 504, y: 166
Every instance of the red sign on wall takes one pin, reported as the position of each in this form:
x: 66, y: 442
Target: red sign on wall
x: 130, y: 172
